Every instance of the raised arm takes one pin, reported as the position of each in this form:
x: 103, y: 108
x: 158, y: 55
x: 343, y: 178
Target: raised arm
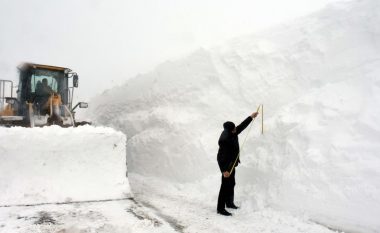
x: 245, y: 123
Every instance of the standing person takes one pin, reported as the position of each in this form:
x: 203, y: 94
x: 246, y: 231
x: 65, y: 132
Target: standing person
x: 227, y: 154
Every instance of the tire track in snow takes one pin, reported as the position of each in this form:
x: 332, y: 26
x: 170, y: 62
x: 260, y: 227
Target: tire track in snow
x: 168, y: 219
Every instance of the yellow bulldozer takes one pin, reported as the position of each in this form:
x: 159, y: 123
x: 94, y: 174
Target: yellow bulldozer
x: 44, y: 97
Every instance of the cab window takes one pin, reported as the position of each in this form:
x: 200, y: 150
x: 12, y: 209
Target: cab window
x: 44, y: 77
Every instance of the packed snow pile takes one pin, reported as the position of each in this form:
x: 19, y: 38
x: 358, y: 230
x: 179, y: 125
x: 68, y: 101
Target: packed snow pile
x: 319, y: 81
x: 53, y: 164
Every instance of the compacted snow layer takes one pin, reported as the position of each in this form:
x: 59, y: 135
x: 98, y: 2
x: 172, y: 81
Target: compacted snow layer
x: 53, y: 164
x: 319, y: 80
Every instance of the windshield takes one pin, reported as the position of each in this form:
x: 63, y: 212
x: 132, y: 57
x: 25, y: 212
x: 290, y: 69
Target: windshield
x: 48, y: 78
x: 45, y: 82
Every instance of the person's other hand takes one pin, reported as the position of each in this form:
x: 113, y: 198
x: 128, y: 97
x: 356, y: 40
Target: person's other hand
x: 254, y: 114
x: 226, y: 174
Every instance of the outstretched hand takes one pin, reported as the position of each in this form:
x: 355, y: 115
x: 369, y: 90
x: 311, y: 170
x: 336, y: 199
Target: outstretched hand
x: 254, y: 115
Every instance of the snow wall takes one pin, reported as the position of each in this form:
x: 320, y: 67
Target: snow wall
x: 53, y: 164
x: 319, y: 80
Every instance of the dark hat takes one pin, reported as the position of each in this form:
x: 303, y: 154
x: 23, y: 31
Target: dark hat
x: 229, y: 125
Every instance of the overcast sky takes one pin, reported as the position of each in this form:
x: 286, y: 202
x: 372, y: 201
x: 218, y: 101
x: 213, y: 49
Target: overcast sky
x: 109, y: 41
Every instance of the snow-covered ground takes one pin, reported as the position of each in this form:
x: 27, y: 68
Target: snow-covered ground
x: 124, y: 216
x: 191, y: 207
x: 318, y: 78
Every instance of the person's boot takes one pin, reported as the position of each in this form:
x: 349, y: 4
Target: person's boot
x: 230, y: 203
x: 232, y: 206
x: 224, y: 212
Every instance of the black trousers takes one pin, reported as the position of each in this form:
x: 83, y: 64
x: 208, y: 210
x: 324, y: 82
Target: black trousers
x: 226, y: 193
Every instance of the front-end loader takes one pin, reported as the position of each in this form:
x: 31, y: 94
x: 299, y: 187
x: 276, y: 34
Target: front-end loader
x: 55, y: 165
x: 44, y: 97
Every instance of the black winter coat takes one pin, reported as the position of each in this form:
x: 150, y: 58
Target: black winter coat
x: 229, y: 146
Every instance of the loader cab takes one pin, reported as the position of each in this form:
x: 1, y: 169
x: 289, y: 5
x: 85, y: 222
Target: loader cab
x: 37, y: 82
x: 44, y: 97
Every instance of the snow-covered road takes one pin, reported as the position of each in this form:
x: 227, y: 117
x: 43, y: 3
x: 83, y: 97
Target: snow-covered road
x: 102, y: 217
x: 153, y: 210
x: 189, y: 211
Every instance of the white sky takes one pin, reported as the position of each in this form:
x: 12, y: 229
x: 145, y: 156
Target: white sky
x: 109, y: 41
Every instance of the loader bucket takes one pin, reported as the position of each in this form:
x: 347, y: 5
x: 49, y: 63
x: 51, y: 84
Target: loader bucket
x: 60, y: 165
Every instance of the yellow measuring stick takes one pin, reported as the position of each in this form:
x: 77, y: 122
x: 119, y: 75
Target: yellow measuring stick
x: 245, y: 139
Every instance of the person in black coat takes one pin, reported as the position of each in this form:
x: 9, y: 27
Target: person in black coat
x: 227, y: 154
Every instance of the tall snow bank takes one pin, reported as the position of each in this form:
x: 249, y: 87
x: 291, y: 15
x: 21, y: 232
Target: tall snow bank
x: 319, y: 81
x: 54, y: 164
x: 321, y: 156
